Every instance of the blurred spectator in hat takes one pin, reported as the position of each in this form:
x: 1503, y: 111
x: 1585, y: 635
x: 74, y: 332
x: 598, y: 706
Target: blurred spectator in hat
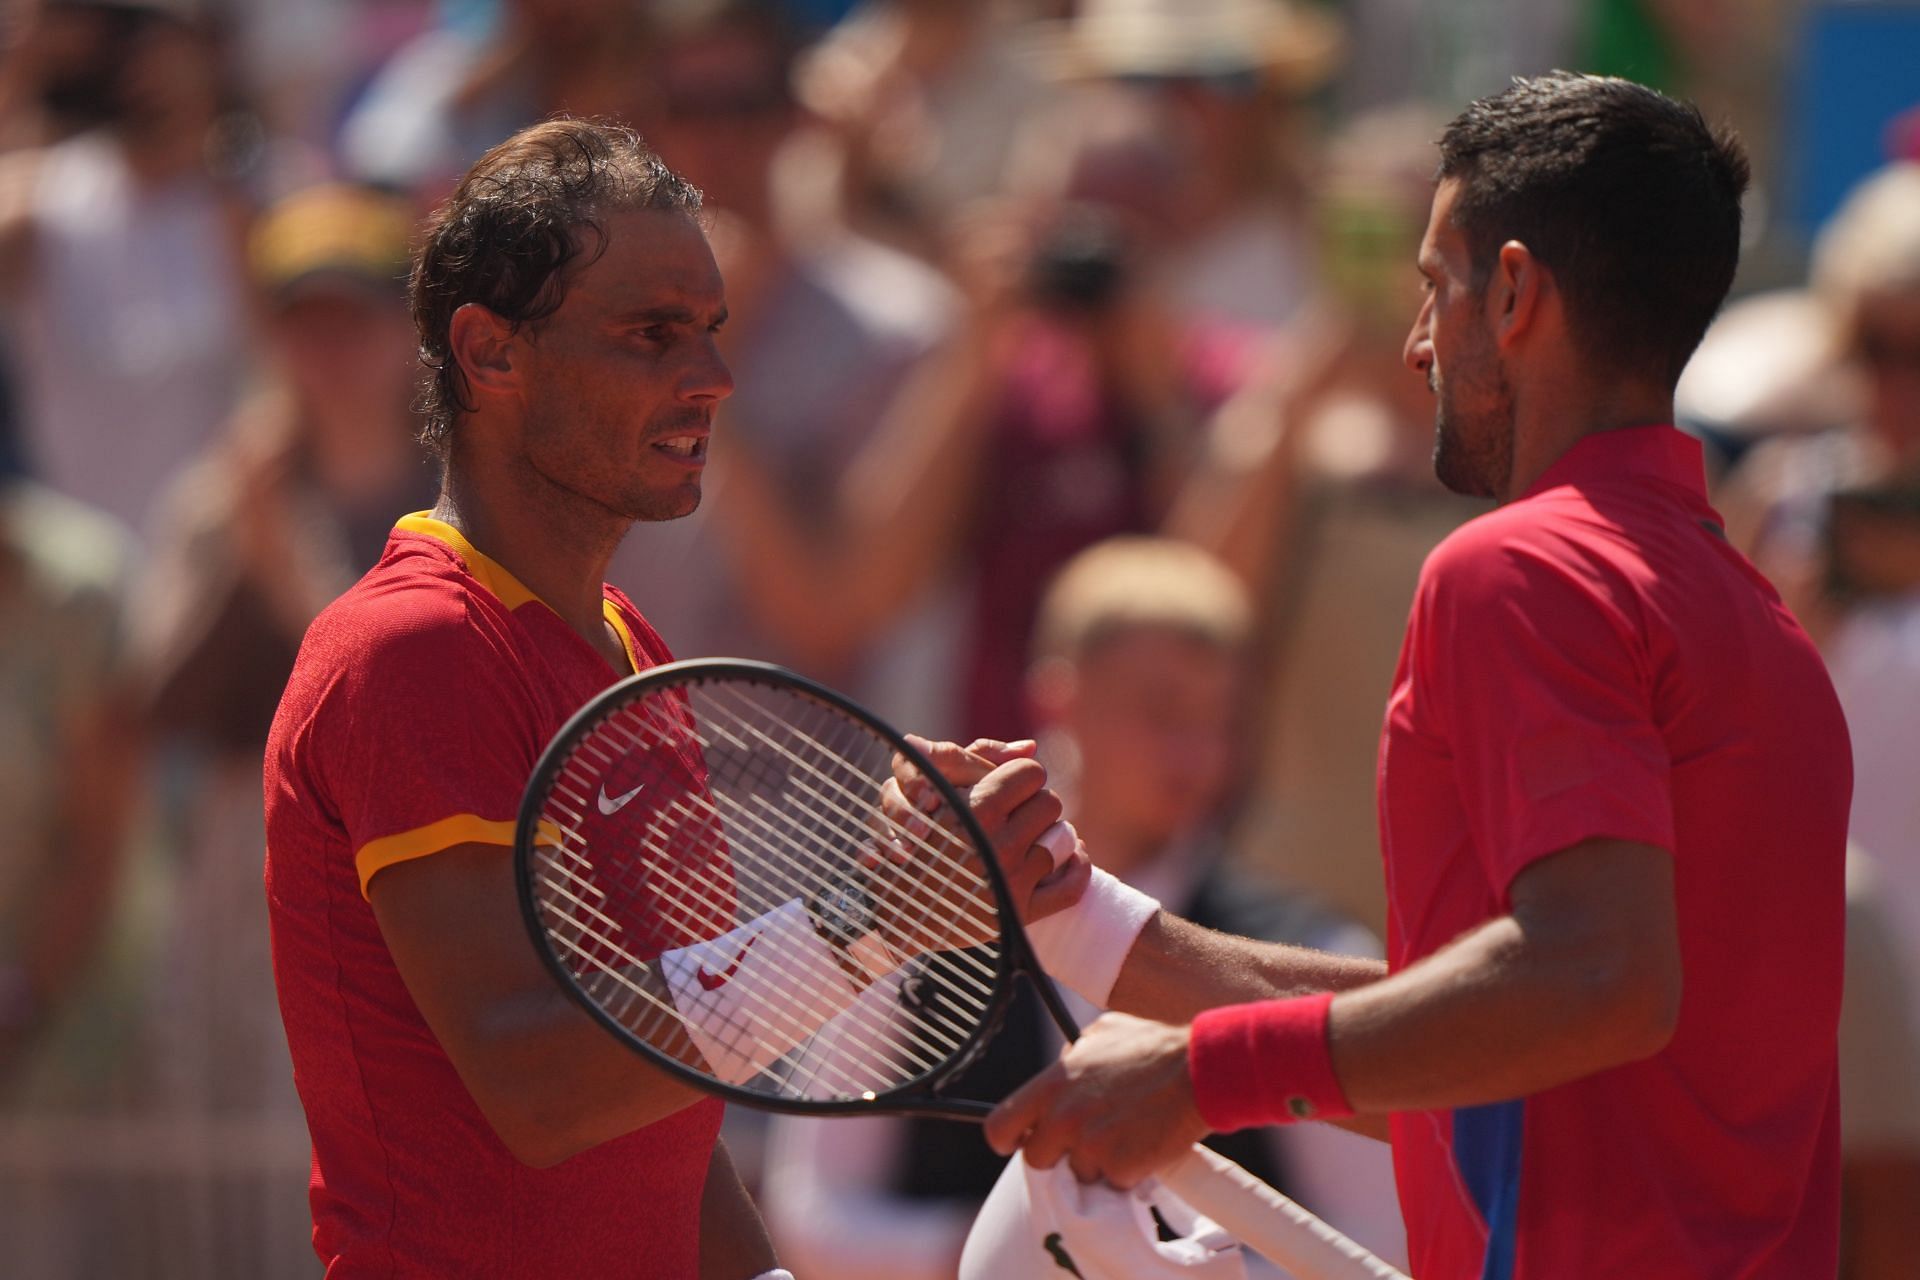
x: 1137, y: 680
x: 1232, y: 76
x: 1064, y: 410
x: 922, y: 99
x: 119, y: 258
x: 1799, y: 500
x: 284, y: 511
x: 451, y: 93
x: 294, y: 502
x: 823, y: 326
x: 1316, y: 486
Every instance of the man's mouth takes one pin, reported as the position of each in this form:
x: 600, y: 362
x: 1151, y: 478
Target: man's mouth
x: 687, y: 447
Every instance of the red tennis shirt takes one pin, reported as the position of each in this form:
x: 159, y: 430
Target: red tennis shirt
x: 1594, y: 660
x: 420, y: 702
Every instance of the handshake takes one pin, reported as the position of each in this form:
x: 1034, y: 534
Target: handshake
x: 1080, y: 921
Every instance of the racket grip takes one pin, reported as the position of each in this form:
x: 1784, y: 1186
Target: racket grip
x: 1269, y: 1223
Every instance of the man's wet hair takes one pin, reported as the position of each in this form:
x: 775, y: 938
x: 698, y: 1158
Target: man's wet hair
x: 1629, y: 198
x: 527, y: 217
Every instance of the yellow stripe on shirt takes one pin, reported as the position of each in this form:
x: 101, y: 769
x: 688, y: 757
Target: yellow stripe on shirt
x: 461, y: 828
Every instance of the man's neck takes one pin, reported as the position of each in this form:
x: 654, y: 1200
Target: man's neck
x: 1547, y: 425
x: 557, y: 551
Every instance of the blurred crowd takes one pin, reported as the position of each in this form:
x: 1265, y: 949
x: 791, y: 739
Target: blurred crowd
x: 1070, y: 404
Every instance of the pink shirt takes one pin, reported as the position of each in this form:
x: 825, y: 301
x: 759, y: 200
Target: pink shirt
x: 1594, y: 660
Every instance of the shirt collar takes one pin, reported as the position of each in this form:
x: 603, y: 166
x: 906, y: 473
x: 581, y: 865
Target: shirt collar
x: 500, y: 584
x: 1662, y: 453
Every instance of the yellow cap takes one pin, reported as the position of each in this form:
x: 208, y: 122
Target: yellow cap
x: 336, y: 231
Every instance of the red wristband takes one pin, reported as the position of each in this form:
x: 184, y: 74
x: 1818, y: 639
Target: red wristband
x: 1265, y: 1063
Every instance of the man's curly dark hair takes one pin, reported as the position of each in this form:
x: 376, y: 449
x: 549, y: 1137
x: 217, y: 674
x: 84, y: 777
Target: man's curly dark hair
x: 526, y: 217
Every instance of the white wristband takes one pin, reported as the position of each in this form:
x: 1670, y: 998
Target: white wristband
x: 1085, y: 945
x: 750, y: 995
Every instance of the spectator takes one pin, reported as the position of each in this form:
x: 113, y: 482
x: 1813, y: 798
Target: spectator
x: 451, y: 93
x: 1317, y: 487
x: 1232, y: 75
x: 1136, y: 684
x: 119, y: 267
x: 923, y: 99
x: 1063, y: 411
x: 281, y: 514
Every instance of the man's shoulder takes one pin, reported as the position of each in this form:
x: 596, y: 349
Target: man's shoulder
x: 1545, y: 527
x: 416, y: 608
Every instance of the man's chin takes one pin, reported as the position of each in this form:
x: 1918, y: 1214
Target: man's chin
x: 656, y: 508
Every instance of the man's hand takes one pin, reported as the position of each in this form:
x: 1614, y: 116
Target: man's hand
x: 1118, y: 1105
x: 1006, y: 789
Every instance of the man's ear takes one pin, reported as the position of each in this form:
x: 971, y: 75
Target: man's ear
x: 481, y: 343
x: 1516, y: 295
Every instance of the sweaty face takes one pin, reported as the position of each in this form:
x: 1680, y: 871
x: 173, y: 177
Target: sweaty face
x: 1452, y: 344
x: 621, y: 383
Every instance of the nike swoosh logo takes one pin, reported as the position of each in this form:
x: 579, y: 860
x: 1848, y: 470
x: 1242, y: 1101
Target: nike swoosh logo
x: 611, y: 805
x: 711, y: 981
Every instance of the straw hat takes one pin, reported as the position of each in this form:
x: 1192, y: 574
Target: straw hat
x: 1292, y: 45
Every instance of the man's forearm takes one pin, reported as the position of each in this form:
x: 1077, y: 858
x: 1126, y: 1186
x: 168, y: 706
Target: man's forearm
x: 1177, y: 969
x: 1489, y: 1018
x: 733, y: 1241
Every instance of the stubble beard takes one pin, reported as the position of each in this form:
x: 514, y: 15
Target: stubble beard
x: 1473, y: 450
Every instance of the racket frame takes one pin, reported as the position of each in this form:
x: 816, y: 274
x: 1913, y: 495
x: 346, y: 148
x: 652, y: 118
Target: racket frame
x: 1014, y: 956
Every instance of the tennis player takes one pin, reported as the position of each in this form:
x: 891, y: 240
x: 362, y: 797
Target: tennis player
x: 467, y: 1119
x: 1613, y: 788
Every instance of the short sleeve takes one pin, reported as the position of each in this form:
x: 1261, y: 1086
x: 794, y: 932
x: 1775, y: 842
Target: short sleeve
x: 432, y: 736
x: 1530, y: 651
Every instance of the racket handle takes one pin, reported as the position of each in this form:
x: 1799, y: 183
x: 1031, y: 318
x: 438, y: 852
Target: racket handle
x: 1269, y: 1223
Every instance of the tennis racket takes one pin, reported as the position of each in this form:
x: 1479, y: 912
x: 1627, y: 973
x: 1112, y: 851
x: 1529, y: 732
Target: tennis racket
x: 716, y: 859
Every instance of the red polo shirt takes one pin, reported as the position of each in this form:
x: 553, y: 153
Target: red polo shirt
x: 416, y: 711
x: 1594, y: 660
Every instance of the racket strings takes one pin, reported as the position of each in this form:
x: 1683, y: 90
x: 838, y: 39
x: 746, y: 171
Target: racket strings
x: 832, y: 813
x: 777, y: 797
x: 782, y: 832
x: 777, y: 1022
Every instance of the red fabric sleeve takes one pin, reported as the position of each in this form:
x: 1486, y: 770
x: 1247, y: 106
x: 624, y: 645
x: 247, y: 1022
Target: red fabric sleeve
x: 432, y: 733
x: 1533, y: 653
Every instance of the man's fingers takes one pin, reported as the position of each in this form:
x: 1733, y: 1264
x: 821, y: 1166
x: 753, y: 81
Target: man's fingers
x: 1000, y: 752
x: 957, y: 764
x: 1007, y: 1126
x: 1022, y: 857
x: 996, y: 797
x: 1060, y: 889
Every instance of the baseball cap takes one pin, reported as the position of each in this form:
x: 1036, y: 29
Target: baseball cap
x: 1043, y: 1224
x: 328, y: 236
